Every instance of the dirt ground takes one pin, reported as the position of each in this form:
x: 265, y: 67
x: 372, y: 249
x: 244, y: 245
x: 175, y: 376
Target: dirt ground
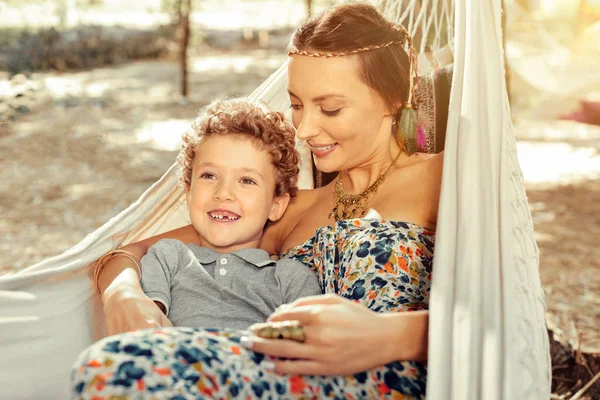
x: 93, y: 141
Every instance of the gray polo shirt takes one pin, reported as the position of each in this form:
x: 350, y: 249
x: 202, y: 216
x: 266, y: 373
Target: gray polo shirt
x: 202, y: 288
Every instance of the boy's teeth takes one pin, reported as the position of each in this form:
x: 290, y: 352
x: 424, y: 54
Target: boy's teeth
x: 221, y: 217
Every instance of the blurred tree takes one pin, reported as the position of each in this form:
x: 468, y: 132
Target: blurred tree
x: 180, y: 11
x: 183, y: 14
x: 66, y: 11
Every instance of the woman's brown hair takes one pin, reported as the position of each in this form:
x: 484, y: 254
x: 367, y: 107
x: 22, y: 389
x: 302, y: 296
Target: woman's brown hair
x: 353, y: 26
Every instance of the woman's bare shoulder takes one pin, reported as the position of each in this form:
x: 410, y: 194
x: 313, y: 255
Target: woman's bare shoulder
x: 304, y: 200
x: 435, y: 157
x: 277, y: 231
x: 418, y: 185
x: 431, y: 181
x: 436, y: 162
x: 431, y: 164
x: 423, y: 156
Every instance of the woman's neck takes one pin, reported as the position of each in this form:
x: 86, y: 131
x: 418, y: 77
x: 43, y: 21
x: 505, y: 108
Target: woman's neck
x: 357, y: 179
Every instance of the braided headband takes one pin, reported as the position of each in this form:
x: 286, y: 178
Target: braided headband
x: 342, y: 53
x: 407, y: 42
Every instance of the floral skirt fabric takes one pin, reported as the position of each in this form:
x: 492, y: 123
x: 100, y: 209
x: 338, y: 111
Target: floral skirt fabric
x: 384, y: 265
x: 190, y: 363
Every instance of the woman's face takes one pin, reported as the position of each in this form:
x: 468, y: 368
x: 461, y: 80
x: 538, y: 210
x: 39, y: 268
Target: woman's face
x: 346, y: 123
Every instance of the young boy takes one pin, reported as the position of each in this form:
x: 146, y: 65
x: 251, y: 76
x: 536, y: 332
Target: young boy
x: 239, y: 169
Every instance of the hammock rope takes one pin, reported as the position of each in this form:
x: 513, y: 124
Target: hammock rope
x: 430, y: 23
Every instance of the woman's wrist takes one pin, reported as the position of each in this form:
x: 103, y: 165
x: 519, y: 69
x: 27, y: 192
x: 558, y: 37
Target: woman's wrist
x: 408, y: 334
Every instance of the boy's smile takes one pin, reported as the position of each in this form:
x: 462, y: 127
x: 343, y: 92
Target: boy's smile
x: 222, y: 215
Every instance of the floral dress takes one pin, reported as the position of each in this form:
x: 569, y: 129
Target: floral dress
x: 384, y: 265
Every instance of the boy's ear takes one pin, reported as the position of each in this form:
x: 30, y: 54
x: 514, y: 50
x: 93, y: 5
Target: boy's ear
x: 280, y: 203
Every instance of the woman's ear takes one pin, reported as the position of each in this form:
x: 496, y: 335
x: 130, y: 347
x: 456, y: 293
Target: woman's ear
x: 394, y: 109
x: 279, y: 206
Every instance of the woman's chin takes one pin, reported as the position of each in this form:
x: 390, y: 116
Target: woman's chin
x: 327, y: 166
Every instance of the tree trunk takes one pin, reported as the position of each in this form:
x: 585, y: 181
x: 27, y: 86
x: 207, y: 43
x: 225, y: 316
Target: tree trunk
x: 184, y: 26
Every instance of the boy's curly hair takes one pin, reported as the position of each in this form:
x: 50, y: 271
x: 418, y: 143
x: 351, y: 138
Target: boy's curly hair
x: 267, y: 128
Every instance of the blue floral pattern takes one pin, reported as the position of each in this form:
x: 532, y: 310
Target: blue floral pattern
x: 384, y: 265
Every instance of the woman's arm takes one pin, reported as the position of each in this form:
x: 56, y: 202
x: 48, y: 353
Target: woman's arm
x: 121, y: 270
x: 126, y: 307
x: 409, y: 333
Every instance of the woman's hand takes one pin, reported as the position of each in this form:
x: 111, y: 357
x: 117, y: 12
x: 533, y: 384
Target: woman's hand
x: 127, y: 308
x: 342, y: 338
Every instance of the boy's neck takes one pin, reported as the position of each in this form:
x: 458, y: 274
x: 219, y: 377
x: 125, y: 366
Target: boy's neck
x: 229, y: 249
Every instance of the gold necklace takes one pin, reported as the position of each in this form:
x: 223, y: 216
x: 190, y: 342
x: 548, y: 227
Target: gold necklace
x: 348, y: 206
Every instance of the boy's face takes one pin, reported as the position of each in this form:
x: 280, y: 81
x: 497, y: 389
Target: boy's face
x: 232, y: 193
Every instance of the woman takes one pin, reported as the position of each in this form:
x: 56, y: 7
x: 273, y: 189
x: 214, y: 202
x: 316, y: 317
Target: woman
x: 349, y: 85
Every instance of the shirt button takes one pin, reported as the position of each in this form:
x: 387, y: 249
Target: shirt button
x: 223, y: 261
x: 223, y: 271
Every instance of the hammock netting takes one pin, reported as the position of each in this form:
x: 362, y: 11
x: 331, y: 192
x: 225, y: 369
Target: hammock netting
x: 487, y: 335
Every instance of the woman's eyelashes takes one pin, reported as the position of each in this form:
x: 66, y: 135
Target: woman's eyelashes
x: 332, y: 113
x: 329, y: 113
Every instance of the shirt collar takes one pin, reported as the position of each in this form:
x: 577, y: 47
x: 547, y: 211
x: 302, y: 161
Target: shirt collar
x: 256, y: 257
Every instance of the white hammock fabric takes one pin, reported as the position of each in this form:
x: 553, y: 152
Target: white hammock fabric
x: 488, y: 338
x: 487, y: 332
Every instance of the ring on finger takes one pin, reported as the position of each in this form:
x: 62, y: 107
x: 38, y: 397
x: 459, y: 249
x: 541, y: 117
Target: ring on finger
x: 290, y: 330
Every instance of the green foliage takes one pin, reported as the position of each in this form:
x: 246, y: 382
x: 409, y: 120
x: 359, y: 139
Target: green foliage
x: 82, y: 48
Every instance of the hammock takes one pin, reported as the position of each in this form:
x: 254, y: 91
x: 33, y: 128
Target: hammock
x: 488, y: 338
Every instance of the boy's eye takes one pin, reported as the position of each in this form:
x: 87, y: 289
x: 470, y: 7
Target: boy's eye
x: 296, y: 107
x: 248, y: 181
x: 208, y: 175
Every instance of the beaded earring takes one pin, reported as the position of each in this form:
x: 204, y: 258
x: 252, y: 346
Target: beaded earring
x: 409, y: 134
